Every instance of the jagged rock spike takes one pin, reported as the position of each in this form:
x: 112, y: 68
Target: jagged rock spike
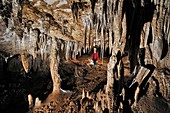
x: 30, y: 101
x: 37, y: 102
x: 83, y: 94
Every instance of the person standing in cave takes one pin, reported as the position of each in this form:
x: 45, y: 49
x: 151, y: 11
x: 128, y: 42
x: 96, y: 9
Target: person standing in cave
x: 95, y: 57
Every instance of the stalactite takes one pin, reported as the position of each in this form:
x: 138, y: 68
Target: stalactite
x: 110, y: 41
x: 85, y: 36
x: 71, y: 46
x: 62, y: 46
x: 89, y: 37
x: 15, y: 8
x: 124, y: 34
x: 109, y: 10
x: 45, y: 46
x: 3, y: 2
x: 62, y: 28
x: 152, y: 34
x: 75, y: 12
x: 10, y: 22
x: 23, y: 43
x: 41, y: 45
x: 93, y: 2
x: 67, y: 50
x: 42, y: 25
x: 116, y: 30
x: 97, y: 36
x: 102, y: 43
x: 105, y: 11
x: 32, y: 43
x: 79, y: 48
x: 75, y: 51
x: 14, y: 44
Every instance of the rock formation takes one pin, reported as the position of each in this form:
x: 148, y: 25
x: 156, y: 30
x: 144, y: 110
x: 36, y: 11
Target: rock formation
x: 38, y: 36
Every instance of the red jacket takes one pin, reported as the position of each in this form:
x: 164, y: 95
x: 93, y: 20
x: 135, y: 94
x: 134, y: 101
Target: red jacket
x: 95, y: 56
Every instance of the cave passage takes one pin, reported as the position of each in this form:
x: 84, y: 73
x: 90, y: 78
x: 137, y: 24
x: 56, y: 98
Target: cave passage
x: 75, y: 76
x: 46, y: 61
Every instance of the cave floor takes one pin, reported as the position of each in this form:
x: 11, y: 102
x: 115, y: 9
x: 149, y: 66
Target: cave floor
x: 88, y: 79
x: 92, y: 81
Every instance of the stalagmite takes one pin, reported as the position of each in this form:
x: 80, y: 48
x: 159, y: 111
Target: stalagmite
x: 75, y: 72
x: 138, y: 30
x: 99, y: 109
x: 136, y: 96
x: 83, y: 94
x: 120, y: 108
x: 37, y: 102
x: 54, y: 67
x: 110, y: 73
x: 30, y: 101
x: 103, y: 103
x: 123, y: 93
x: 99, y: 96
x: 110, y: 80
x: 87, y: 95
x: 24, y: 62
x: 120, y: 78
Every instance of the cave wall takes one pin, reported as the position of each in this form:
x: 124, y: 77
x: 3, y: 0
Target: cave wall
x: 147, y: 44
x: 139, y: 28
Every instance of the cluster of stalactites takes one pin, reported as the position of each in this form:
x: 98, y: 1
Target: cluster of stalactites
x: 36, y: 41
x: 106, y: 19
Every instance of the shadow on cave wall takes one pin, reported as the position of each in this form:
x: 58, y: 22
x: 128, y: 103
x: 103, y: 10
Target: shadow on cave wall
x: 16, y: 84
x: 136, y: 17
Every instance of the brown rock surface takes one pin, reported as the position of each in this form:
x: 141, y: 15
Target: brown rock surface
x: 45, y: 47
